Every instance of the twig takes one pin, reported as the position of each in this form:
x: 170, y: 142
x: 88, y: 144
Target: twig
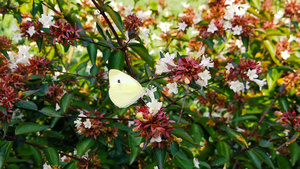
x: 181, y: 112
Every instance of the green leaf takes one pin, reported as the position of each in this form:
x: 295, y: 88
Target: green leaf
x: 106, y: 43
x: 204, y: 164
x: 295, y: 149
x: 246, y: 117
x: 49, y: 111
x: 272, y: 50
x: 284, y: 68
x: 84, y: 145
x: 71, y: 165
x: 5, y: 149
x: 81, y: 65
x: 30, y: 92
x: 265, y: 143
x: 184, y: 135
x: 94, y: 70
x: 272, y: 76
x: 39, y: 43
x: 283, y: 103
x: 283, y: 162
x: 254, y: 158
x: 196, y: 132
x: 183, y: 162
x: 209, y: 43
x: 52, y: 156
x: 106, y: 55
x: 143, y: 53
x: 223, y: 149
x: 65, y: 102
x: 245, y: 41
x: 100, y: 30
x: 25, y: 128
x: 25, y: 104
x: 263, y: 156
x: 219, y: 161
x: 37, y: 156
x: 115, y: 17
x: 159, y: 155
x: 116, y: 60
x: 134, y: 144
x: 92, y: 50
x: 5, y: 126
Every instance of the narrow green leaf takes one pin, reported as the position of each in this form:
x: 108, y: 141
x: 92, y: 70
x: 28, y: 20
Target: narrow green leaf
x: 94, y: 70
x: 283, y: 162
x: 115, y: 17
x: 71, y: 165
x: 25, y: 128
x: 204, y: 164
x: 159, y: 155
x: 134, y: 144
x: 65, y: 102
x: 37, y: 156
x: 39, y: 43
x: 5, y: 149
x: 219, y: 161
x: 272, y: 50
x: 246, y: 117
x: 84, y: 145
x: 52, y: 156
x: 49, y: 111
x: 295, y: 149
x: 142, y: 52
x: 209, y: 43
x: 30, y: 92
x: 263, y: 156
x: 254, y: 158
x: 100, y: 30
x: 81, y: 65
x: 25, y: 104
x: 272, y: 76
x: 5, y: 126
x: 116, y: 60
x: 265, y: 143
x: 196, y: 132
x: 106, y: 43
x: 92, y: 50
x: 183, y: 162
x: 284, y: 68
x: 245, y: 41
x: 223, y: 149
x: 283, y: 103
x: 106, y: 54
x: 184, y: 135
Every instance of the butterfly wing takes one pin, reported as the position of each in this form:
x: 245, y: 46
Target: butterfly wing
x: 124, y: 90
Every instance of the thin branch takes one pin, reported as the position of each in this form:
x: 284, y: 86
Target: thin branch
x: 181, y: 112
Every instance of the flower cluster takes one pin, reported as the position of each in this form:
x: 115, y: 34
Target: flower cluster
x: 132, y: 23
x: 156, y: 128
x: 245, y: 70
x: 289, y: 118
x: 94, y: 126
x: 212, y: 98
x: 64, y: 33
x: 5, y: 43
x: 292, y: 82
x: 31, y: 29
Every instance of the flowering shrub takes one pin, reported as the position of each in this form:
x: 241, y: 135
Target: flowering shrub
x: 221, y: 79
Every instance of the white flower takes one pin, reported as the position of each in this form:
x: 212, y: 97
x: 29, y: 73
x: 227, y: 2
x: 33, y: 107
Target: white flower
x: 237, y: 30
x: 143, y: 15
x: 252, y: 74
x: 17, y: 37
x: 229, y: 66
x: 14, y: 27
x: 57, y: 107
x: 128, y: 10
x: 46, y: 20
x: 150, y: 92
x: 87, y: 124
x: 145, y: 32
x: 164, y: 26
x: 205, y: 75
x: 238, y: 43
x: 196, y: 163
x: 185, y: 5
x: 46, y: 166
x: 155, y: 37
x: 130, y: 123
x: 19, y: 116
x: 241, y: 9
x: 206, y: 62
x: 168, y: 59
x: 155, y: 167
x: 81, y: 114
x: 31, y: 30
x: 182, y: 26
x: 160, y: 68
x: 154, y: 106
x: 212, y: 27
x: 285, y: 54
x: 63, y: 158
x: 240, y: 130
x: 78, y: 122
x: 229, y: 13
x: 227, y: 25
x: 201, y: 83
x: 213, y: 114
x: 157, y: 139
x: 237, y: 86
x: 260, y: 83
x: 229, y: 2
x: 86, y: 154
x: 198, y: 17
x: 172, y: 88
x: 95, y: 97
x: 23, y: 54
x: 278, y: 16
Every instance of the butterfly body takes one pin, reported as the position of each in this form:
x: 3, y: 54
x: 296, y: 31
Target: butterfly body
x: 124, y: 90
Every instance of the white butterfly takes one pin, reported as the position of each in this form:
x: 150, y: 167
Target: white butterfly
x: 124, y: 90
